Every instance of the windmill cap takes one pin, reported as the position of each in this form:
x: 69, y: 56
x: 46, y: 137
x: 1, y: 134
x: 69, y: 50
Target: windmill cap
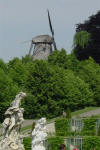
x: 42, y: 39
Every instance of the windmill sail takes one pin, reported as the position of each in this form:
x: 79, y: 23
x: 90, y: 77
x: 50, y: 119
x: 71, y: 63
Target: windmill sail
x: 52, y: 31
x: 30, y: 48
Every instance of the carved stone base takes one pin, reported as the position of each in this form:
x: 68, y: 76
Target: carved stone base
x: 12, y: 143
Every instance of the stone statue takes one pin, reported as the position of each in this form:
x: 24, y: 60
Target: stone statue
x: 12, y: 139
x: 39, y: 135
x: 64, y: 114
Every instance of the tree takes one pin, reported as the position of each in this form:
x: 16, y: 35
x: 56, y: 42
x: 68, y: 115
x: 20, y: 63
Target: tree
x: 8, y: 90
x: 81, y: 39
x: 51, y: 85
x: 3, y: 66
x: 64, y: 60
x: 91, y: 27
x: 68, y: 113
x: 17, y: 71
x: 55, y: 88
x: 89, y: 71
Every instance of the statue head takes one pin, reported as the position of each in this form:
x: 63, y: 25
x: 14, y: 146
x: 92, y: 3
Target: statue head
x: 21, y: 95
x: 42, y: 121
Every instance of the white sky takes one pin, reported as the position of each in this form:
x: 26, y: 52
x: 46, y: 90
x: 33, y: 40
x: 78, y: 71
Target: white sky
x: 20, y: 20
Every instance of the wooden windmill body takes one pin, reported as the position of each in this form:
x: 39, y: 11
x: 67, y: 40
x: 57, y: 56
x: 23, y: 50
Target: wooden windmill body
x: 43, y: 44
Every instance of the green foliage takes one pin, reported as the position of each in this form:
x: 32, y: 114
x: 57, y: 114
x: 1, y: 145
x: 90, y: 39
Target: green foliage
x: 27, y: 141
x: 90, y: 27
x: 55, y: 142
x: 3, y: 66
x: 58, y: 58
x: 31, y: 107
x: 89, y: 128
x: 98, y: 133
x: 61, y: 59
x: 81, y: 39
x: 89, y: 71
x: 68, y: 113
x: 91, y: 142
x: 62, y: 127
x: 53, y: 90
x: 33, y: 125
x: 77, y: 91
x: 17, y: 71
x: 51, y: 85
x: 27, y: 59
x: 7, y: 92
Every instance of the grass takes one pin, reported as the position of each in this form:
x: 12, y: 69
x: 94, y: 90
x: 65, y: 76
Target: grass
x: 26, y: 128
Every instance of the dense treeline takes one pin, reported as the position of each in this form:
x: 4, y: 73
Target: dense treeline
x: 51, y: 85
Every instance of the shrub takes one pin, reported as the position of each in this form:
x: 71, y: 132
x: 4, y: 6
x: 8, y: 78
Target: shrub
x: 89, y: 127
x: 62, y: 127
x: 91, y: 142
x: 98, y: 133
x: 27, y: 143
x: 33, y: 125
x: 55, y: 142
x: 68, y: 113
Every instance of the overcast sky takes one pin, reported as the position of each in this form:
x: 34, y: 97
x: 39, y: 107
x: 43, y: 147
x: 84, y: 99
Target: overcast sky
x: 20, y: 20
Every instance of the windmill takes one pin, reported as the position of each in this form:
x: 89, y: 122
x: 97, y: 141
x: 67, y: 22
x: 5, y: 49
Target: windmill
x: 43, y: 44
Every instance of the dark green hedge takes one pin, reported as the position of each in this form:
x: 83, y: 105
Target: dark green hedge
x: 89, y: 143
x: 27, y: 143
x: 89, y: 128
x: 55, y: 142
x: 62, y: 127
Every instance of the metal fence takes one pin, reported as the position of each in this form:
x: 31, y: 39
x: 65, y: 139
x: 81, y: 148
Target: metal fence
x: 98, y: 127
x: 76, y: 125
x: 71, y: 143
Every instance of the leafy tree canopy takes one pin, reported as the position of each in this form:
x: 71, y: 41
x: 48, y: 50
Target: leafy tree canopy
x: 51, y: 85
x: 7, y: 92
x: 90, y: 27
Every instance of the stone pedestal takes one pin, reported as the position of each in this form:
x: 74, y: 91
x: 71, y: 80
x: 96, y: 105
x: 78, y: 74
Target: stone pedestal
x: 12, y: 143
